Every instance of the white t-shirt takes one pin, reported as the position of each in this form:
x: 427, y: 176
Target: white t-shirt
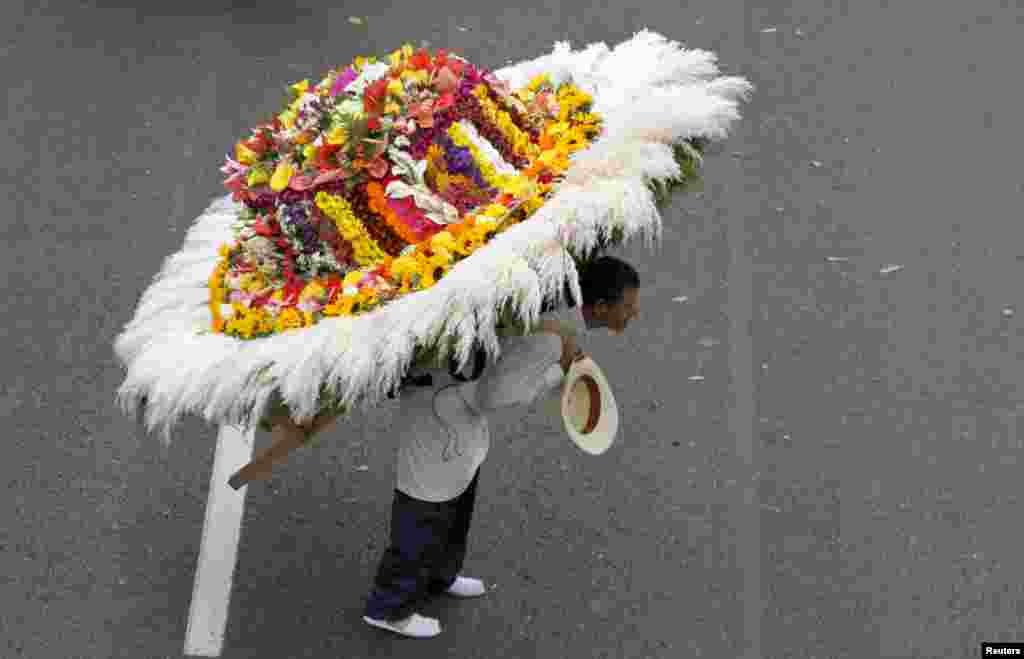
x: 443, y: 431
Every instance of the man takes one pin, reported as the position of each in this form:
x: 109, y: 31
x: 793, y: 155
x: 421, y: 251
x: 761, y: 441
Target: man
x: 444, y: 437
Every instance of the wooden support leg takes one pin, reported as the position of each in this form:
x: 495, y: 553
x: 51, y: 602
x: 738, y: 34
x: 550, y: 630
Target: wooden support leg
x: 287, y: 438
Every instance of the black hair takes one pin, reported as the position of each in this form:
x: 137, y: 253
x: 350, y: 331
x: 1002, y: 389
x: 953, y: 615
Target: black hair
x: 604, y: 279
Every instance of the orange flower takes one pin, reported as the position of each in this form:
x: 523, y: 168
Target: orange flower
x: 378, y: 203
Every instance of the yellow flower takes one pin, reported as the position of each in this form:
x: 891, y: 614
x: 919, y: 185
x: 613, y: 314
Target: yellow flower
x: 415, y: 77
x: 395, y: 59
x: 282, y: 175
x: 340, y: 307
x: 495, y: 211
x: 427, y: 278
x: 224, y: 251
x: 518, y: 186
x: 442, y: 240
x: 359, y: 63
x: 309, y: 151
x: 532, y: 204
x: 392, y: 108
x: 245, y: 155
x: 257, y: 176
x: 312, y: 290
x: 287, y: 118
x: 300, y: 88
x: 353, y: 278
x: 366, y: 297
x: 367, y: 251
x: 345, y: 304
x: 403, y: 265
x: 338, y: 135
x: 442, y: 181
x: 252, y: 281
x: 538, y: 82
x: 395, y: 88
x: 289, y: 318
x: 262, y: 323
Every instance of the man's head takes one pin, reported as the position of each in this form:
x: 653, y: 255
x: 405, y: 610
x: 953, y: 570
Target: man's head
x: 611, y: 294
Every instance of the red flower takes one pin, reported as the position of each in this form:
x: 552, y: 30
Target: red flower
x: 445, y: 101
x: 420, y: 60
x: 455, y: 65
x: 373, y: 97
x: 262, y: 229
x: 373, y: 123
x: 256, y: 144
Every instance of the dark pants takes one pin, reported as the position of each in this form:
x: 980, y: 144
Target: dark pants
x: 428, y: 547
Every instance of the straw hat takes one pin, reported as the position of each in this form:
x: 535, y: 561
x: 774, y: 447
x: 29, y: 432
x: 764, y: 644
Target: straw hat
x: 587, y: 407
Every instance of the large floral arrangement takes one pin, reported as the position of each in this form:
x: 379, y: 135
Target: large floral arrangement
x: 374, y: 182
x: 360, y: 237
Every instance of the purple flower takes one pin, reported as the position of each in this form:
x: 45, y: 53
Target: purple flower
x: 343, y: 81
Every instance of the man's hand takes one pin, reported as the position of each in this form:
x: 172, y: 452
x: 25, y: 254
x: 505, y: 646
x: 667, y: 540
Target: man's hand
x: 570, y: 352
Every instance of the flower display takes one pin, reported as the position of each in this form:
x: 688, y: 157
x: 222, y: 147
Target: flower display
x: 388, y: 176
x: 376, y: 181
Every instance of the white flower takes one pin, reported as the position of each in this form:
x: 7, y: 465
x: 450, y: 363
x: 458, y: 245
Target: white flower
x: 436, y: 209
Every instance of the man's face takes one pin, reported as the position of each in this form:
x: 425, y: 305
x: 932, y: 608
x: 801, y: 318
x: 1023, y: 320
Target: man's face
x: 616, y: 316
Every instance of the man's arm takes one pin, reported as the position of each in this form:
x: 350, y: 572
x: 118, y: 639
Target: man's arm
x: 529, y: 366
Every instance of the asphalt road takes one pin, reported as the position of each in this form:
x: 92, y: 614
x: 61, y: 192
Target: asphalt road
x: 843, y: 481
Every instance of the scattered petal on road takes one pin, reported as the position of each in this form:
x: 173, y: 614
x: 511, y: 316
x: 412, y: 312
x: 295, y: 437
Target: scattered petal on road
x: 816, y: 164
x: 889, y: 269
x: 799, y: 33
x: 696, y: 378
x: 708, y: 341
x: 355, y: 20
x: 837, y: 259
x: 771, y: 508
x: 363, y: 468
x: 681, y: 298
x: 462, y: 29
x: 769, y: 30
x: 1007, y: 311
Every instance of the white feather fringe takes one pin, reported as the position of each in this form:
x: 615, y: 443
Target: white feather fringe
x: 651, y: 92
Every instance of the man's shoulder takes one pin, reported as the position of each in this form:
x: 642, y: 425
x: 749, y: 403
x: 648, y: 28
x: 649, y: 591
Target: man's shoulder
x: 569, y: 316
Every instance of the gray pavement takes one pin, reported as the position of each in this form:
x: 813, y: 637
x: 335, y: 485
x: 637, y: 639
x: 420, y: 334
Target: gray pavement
x: 844, y: 481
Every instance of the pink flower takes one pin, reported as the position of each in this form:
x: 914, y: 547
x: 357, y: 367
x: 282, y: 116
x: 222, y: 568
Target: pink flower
x: 378, y: 167
x: 300, y: 183
x: 343, y: 81
x: 500, y: 86
x: 445, y: 81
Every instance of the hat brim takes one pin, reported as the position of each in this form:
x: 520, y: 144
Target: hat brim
x: 589, y: 412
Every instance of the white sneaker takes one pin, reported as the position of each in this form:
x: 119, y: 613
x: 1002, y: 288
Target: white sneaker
x: 467, y: 587
x: 415, y: 625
